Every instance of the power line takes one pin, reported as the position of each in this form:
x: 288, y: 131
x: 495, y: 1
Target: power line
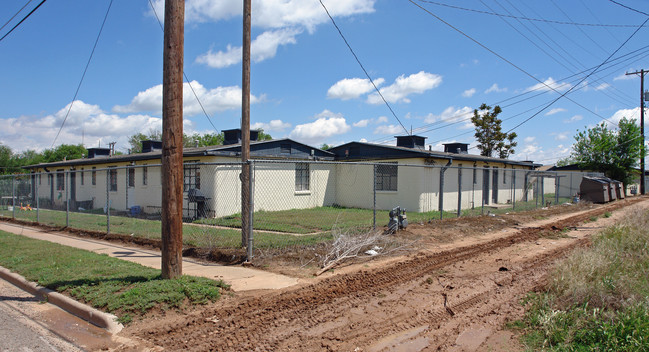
x: 23, y: 20
x: 185, y: 75
x: 84, y: 71
x: 629, y: 8
x: 524, y: 71
x: 583, y: 79
x: 363, y: 68
x: 16, y: 14
x: 528, y: 18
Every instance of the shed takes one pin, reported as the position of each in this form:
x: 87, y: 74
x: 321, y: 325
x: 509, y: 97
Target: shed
x: 619, y: 189
x: 594, y: 189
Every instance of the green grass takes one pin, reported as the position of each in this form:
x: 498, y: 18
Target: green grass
x: 110, y: 284
x: 597, y: 297
x: 314, y: 225
x: 199, y: 236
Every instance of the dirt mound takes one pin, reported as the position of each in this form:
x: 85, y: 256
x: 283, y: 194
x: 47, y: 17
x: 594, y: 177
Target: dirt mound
x: 450, y: 299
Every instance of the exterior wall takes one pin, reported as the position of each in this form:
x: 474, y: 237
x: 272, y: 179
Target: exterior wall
x: 275, y: 187
x: 347, y: 185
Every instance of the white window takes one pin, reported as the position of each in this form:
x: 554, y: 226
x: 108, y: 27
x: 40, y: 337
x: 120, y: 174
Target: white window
x: 302, y: 177
x: 386, y: 176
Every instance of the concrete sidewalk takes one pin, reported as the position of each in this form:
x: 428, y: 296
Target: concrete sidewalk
x: 240, y: 278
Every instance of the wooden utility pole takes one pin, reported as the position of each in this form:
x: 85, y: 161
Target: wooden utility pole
x: 172, y: 139
x: 642, y: 165
x: 245, y: 128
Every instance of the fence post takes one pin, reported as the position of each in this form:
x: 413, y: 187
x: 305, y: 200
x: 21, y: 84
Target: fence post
x: 66, y: 184
x: 38, y: 205
x: 441, y: 188
x: 513, y: 189
x: 374, y: 195
x: 251, y: 208
x: 459, y: 190
x: 557, y: 187
x: 13, y: 196
x: 542, y: 191
x: 526, y: 180
x: 107, y: 201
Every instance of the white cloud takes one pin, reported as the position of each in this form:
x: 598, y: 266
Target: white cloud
x: 495, y: 89
x: 625, y: 77
x: 451, y: 115
x: 87, y: 120
x: 468, y: 93
x: 351, y: 88
x: 366, y: 122
x: 560, y: 136
x: 402, y: 87
x: 602, y: 86
x: 283, y: 20
x: 529, y: 139
x: 262, y: 48
x: 389, y: 129
x: 554, y: 111
x: 327, y: 124
x: 549, y: 84
x: 628, y: 113
x: 213, y: 100
x: 272, y: 13
x: 573, y: 119
x: 272, y: 126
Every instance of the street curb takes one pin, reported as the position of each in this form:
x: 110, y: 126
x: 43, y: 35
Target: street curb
x: 85, y: 312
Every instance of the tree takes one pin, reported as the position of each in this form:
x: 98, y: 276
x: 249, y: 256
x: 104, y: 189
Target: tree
x: 565, y: 161
x: 202, y: 140
x: 488, y: 132
x: 136, y: 140
x: 613, y: 152
x: 263, y: 136
x: 64, y: 152
x: 325, y: 146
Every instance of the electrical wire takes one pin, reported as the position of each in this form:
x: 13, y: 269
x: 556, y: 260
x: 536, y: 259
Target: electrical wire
x: 23, y: 20
x: 583, y: 79
x: 363, y: 68
x: 16, y: 14
x: 562, y: 95
x: 84, y: 72
x: 629, y: 8
x: 528, y: 18
x: 185, y: 75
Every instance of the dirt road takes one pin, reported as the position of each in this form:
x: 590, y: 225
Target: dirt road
x: 453, y: 298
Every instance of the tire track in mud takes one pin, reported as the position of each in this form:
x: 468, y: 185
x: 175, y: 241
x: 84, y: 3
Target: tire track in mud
x: 253, y: 324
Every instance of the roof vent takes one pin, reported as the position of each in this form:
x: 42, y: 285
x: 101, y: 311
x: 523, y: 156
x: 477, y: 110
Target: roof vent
x: 456, y: 148
x: 98, y: 153
x: 149, y: 146
x: 411, y: 141
x: 233, y: 136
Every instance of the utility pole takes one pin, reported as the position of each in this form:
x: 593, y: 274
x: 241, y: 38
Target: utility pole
x: 172, y: 134
x: 245, y: 128
x: 642, y: 166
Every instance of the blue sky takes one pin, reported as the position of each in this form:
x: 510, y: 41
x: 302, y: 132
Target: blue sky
x: 306, y: 84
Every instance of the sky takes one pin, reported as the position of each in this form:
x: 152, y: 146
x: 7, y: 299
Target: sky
x: 433, y: 63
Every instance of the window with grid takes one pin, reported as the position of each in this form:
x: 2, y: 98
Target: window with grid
x: 94, y: 176
x: 112, y: 179
x: 131, y: 177
x: 386, y: 176
x: 60, y: 180
x: 302, y: 177
x: 145, y: 175
x: 191, y: 176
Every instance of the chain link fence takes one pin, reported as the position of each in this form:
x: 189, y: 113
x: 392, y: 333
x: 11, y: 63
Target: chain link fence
x: 298, y: 207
